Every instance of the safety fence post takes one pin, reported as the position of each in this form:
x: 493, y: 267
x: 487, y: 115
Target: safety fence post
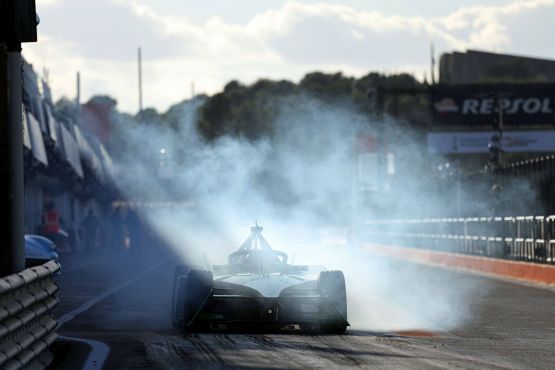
x: 550, y: 238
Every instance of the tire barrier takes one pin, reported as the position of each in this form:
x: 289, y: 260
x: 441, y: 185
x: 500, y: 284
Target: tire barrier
x: 523, y: 238
x: 27, y: 327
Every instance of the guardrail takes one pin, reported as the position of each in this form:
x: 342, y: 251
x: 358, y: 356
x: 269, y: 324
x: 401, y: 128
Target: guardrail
x: 523, y: 238
x: 26, y: 323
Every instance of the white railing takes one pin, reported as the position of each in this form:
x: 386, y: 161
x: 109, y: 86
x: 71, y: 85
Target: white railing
x: 525, y: 238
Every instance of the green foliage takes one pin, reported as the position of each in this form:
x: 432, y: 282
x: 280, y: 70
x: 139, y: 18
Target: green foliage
x: 244, y: 111
x: 148, y: 115
x: 249, y: 111
x: 65, y: 108
x: 103, y: 100
x: 327, y: 86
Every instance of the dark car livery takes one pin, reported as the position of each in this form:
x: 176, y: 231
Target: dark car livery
x: 258, y: 289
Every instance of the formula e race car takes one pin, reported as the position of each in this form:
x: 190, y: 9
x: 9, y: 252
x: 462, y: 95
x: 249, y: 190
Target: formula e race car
x: 257, y: 290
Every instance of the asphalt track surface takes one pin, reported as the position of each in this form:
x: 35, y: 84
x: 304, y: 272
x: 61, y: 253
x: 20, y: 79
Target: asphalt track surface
x: 115, y: 314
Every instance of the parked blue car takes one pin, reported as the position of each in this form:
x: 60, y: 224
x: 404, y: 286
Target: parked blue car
x: 39, y: 250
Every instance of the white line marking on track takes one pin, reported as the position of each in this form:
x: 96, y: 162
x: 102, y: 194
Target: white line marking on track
x: 98, y: 355
x: 91, y: 302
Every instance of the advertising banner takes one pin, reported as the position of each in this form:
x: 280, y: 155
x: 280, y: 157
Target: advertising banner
x: 476, y: 105
x: 477, y: 142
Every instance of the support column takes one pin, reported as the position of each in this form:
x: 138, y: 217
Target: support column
x: 12, y: 249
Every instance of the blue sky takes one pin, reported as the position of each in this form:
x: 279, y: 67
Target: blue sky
x: 213, y: 41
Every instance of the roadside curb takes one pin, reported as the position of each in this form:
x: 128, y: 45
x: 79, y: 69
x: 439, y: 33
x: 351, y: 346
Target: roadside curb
x: 522, y: 271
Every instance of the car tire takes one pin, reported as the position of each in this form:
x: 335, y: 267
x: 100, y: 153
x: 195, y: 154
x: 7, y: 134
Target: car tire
x: 191, y: 289
x: 178, y: 299
x: 333, y: 307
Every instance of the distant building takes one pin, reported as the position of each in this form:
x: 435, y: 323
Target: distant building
x: 478, y: 66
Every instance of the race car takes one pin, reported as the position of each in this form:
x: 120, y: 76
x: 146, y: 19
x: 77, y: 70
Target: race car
x: 257, y: 290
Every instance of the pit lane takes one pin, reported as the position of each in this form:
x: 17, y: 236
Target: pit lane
x: 512, y: 328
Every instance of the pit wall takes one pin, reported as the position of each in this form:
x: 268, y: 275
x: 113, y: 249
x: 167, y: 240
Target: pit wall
x: 523, y: 271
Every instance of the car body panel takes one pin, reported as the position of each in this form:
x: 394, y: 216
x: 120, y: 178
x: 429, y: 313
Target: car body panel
x: 266, y: 285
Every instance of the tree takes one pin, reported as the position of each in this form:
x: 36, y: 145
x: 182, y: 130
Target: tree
x: 148, y: 115
x: 249, y: 111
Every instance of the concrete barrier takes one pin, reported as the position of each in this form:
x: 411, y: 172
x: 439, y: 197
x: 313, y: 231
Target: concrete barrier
x: 529, y: 272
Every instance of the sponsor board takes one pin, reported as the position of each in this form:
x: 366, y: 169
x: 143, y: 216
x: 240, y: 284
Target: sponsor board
x: 477, y: 142
x: 521, y: 104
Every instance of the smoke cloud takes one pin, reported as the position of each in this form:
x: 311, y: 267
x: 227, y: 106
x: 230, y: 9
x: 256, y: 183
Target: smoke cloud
x: 303, y: 185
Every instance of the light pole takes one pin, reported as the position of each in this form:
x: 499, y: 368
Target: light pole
x: 140, y: 66
x: 495, y: 144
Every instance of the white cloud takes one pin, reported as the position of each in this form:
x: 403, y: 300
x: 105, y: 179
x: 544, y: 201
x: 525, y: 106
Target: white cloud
x: 41, y: 3
x: 486, y: 27
x: 283, y: 42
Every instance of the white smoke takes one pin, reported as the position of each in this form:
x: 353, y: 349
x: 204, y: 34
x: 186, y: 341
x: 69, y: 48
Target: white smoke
x: 300, y: 186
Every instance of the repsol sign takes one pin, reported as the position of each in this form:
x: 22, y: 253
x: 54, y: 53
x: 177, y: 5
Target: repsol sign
x: 524, y: 104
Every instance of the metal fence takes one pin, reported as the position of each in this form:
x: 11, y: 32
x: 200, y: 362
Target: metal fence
x: 26, y: 323
x: 540, y: 172
x: 523, y: 238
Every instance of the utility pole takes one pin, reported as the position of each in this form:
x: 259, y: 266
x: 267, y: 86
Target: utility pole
x: 15, y: 145
x: 12, y: 252
x: 140, y: 59
x: 18, y: 22
x: 496, y: 141
x: 78, y: 97
x: 433, y: 64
